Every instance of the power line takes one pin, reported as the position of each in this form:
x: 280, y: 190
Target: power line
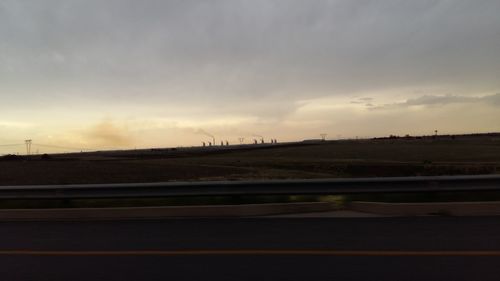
x: 17, y: 144
x: 60, y: 147
x: 29, y: 143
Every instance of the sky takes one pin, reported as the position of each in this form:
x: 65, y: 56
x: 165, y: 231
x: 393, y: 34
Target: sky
x: 120, y: 74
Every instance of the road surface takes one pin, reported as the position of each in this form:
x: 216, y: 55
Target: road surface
x: 417, y: 248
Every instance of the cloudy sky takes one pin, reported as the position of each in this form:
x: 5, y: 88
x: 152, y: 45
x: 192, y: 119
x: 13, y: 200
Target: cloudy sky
x: 127, y: 73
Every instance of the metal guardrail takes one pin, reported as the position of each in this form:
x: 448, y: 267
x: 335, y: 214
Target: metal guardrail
x: 268, y: 187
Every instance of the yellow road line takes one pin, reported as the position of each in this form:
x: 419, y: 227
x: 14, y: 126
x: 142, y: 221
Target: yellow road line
x: 286, y: 252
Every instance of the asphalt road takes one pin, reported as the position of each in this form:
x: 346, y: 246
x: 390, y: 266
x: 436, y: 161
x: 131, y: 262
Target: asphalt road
x: 419, y: 248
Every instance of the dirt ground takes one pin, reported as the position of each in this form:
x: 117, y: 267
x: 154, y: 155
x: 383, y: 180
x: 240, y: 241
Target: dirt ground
x: 367, y: 158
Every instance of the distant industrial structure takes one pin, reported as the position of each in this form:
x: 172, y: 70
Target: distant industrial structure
x: 258, y: 139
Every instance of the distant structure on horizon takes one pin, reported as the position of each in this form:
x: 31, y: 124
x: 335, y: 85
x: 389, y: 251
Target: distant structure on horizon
x: 28, y: 146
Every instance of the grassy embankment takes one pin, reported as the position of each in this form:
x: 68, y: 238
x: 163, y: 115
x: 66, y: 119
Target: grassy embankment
x: 370, y: 158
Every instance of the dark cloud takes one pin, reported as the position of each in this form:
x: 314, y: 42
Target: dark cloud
x: 191, y: 50
x: 432, y: 100
x: 492, y: 99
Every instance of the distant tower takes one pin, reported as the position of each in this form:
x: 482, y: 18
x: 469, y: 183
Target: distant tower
x: 323, y: 136
x: 436, y: 132
x: 204, y: 144
x: 221, y: 143
x: 254, y: 141
x: 28, y: 146
x: 241, y: 140
x: 262, y: 141
x: 227, y: 143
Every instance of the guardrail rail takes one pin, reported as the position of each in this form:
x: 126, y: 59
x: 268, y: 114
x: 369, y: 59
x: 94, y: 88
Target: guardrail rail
x: 264, y: 187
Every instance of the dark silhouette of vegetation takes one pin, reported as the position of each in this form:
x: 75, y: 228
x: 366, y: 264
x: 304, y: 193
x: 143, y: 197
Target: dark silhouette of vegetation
x: 11, y: 157
x: 45, y: 156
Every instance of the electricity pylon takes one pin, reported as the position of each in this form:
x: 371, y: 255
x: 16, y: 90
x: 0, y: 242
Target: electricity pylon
x: 28, y: 146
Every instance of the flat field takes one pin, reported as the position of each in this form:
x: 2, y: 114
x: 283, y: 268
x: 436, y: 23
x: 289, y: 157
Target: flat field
x: 331, y: 159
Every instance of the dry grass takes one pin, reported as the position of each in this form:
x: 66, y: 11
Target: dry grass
x: 331, y: 159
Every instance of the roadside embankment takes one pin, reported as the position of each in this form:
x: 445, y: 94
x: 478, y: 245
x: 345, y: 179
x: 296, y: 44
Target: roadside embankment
x: 433, y: 208
x: 164, y: 212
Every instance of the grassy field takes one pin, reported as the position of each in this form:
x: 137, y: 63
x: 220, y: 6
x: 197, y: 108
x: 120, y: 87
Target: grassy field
x: 364, y: 158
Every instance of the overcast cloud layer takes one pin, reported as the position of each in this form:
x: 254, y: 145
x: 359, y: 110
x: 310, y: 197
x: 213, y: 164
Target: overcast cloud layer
x: 126, y: 73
